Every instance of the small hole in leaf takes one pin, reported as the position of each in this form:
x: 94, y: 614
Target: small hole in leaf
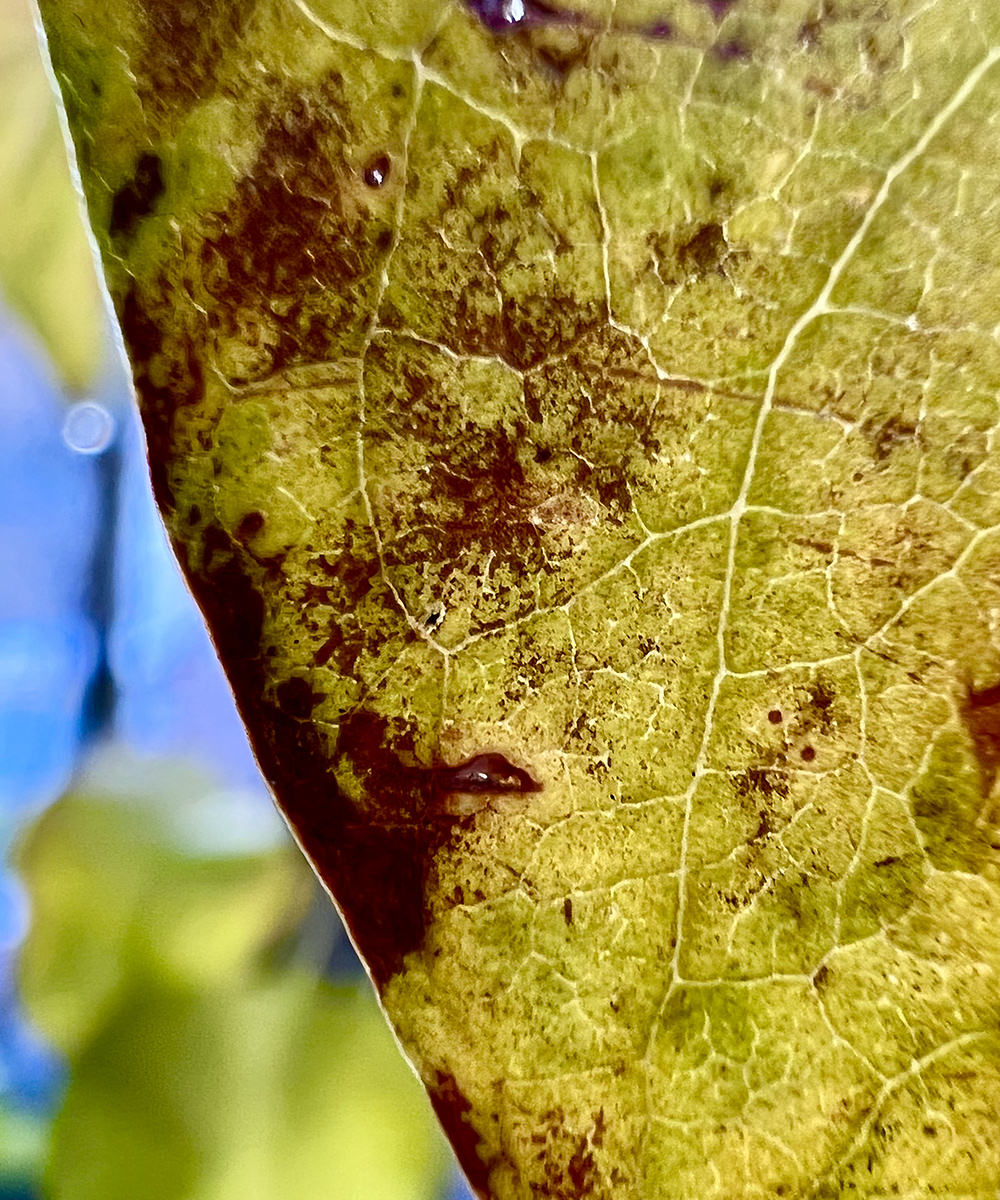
x: 377, y: 171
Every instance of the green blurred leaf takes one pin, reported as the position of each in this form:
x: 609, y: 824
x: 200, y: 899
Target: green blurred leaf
x: 47, y: 271
x: 23, y: 1143
x: 287, y: 1088
x: 197, y: 1068
x: 120, y: 902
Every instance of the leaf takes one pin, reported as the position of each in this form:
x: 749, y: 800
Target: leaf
x: 197, y: 1069
x: 46, y: 266
x: 578, y: 425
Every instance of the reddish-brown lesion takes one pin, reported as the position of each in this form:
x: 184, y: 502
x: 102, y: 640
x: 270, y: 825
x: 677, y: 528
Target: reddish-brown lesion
x: 981, y: 716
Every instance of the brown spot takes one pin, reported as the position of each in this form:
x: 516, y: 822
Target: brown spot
x: 775, y: 716
x: 290, y: 265
x: 763, y: 829
x: 719, y: 8
x: 580, y: 1169
x: 762, y: 780
x: 886, y: 437
x: 821, y: 698
x: 704, y: 251
x: 811, y: 29
x: 821, y: 977
x: 981, y: 716
x: 137, y: 198
x: 249, y: 526
x: 600, y: 1126
x: 345, y: 646
x: 568, y: 911
x: 374, y: 855
x: 732, y: 51
x: 167, y: 375
x: 185, y: 41
x: 808, y: 753
x: 661, y: 30
x: 296, y: 697
x: 453, y: 1109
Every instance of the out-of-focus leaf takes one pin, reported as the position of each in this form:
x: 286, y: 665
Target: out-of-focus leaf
x: 285, y: 1088
x: 23, y: 1143
x: 579, y: 422
x: 119, y: 897
x: 196, y: 1068
x: 46, y: 265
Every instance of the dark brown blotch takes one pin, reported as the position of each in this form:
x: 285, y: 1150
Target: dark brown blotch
x: 981, y: 716
x: 490, y: 772
x: 167, y: 373
x: 136, y: 198
x: 292, y: 262
x: 183, y: 44
x: 296, y: 697
x: 452, y: 1110
x: 719, y: 8
x: 248, y: 528
x: 761, y: 781
x: 888, y: 435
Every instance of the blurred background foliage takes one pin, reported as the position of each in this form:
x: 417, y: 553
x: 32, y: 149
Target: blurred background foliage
x: 181, y: 1014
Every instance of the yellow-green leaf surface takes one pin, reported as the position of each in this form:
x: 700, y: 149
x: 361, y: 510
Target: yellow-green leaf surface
x: 579, y: 425
x: 199, y: 1067
x: 46, y: 267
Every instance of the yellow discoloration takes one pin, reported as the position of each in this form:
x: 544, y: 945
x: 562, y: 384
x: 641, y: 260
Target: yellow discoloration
x: 610, y: 402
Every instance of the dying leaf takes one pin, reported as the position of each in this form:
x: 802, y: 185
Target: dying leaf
x: 579, y: 428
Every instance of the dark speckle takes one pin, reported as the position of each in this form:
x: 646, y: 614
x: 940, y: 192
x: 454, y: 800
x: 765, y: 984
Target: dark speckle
x: 568, y: 911
x: 763, y: 828
x: 732, y: 51
x: 658, y: 31
x: 137, y: 198
x: 377, y: 171
x: 774, y: 716
x: 808, y: 753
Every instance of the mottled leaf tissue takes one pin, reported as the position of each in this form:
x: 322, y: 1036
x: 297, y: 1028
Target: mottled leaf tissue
x: 579, y: 425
